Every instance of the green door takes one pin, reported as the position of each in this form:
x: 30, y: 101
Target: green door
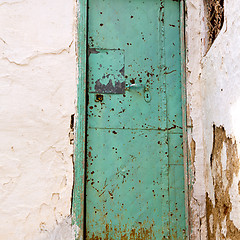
x: 135, y: 173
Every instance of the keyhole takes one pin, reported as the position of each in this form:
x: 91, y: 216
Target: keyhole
x: 147, y: 96
x: 99, y: 98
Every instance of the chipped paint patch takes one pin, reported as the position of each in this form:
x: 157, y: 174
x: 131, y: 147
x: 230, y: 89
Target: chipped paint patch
x: 220, y: 207
x: 117, y: 88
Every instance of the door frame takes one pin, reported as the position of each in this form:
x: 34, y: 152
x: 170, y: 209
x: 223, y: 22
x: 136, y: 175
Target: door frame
x: 79, y: 158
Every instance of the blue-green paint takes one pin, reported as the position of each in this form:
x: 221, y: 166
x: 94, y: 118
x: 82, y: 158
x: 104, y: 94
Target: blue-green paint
x: 184, y: 115
x: 135, y: 136
x: 135, y: 173
x: 80, y: 138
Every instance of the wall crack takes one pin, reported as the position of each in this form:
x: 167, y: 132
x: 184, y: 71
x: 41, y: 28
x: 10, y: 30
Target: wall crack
x: 37, y: 54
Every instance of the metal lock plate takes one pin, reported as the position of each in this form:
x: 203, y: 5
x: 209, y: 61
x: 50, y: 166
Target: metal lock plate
x: 106, y: 71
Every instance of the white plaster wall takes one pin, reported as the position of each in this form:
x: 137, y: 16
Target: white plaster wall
x: 221, y: 77
x: 195, y: 34
x: 221, y: 81
x: 213, y: 89
x: 38, y: 93
x: 38, y: 90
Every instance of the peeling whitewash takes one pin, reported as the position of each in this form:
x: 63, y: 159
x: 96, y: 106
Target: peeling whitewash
x: 38, y: 75
x: 38, y: 93
x: 213, y: 87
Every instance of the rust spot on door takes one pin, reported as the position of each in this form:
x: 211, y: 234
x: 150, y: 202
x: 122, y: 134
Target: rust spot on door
x: 139, y: 233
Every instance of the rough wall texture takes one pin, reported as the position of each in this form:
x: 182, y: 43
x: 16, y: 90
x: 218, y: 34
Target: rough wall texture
x: 213, y: 83
x: 38, y: 89
x: 195, y: 47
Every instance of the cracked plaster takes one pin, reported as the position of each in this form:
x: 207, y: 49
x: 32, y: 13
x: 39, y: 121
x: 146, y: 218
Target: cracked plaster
x: 38, y: 78
x: 213, y: 98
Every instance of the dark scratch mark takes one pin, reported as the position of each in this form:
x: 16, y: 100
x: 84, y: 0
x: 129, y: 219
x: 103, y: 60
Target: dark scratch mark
x: 122, y: 71
x: 166, y: 73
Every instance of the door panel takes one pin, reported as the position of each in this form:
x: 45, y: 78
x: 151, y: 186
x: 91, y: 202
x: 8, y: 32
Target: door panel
x: 132, y: 29
x: 134, y: 179
x: 177, y: 202
x: 125, y: 195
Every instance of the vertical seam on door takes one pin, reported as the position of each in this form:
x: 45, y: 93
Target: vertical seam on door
x: 184, y: 113
x: 80, y: 134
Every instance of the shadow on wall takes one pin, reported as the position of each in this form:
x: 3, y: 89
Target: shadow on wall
x: 215, y: 19
x: 62, y: 231
x: 225, y: 165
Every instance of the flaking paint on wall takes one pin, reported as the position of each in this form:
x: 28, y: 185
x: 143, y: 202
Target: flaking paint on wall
x: 220, y: 76
x: 213, y: 98
x: 219, y: 206
x: 38, y: 79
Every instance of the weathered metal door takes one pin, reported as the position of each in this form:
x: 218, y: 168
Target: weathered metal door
x: 135, y: 176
